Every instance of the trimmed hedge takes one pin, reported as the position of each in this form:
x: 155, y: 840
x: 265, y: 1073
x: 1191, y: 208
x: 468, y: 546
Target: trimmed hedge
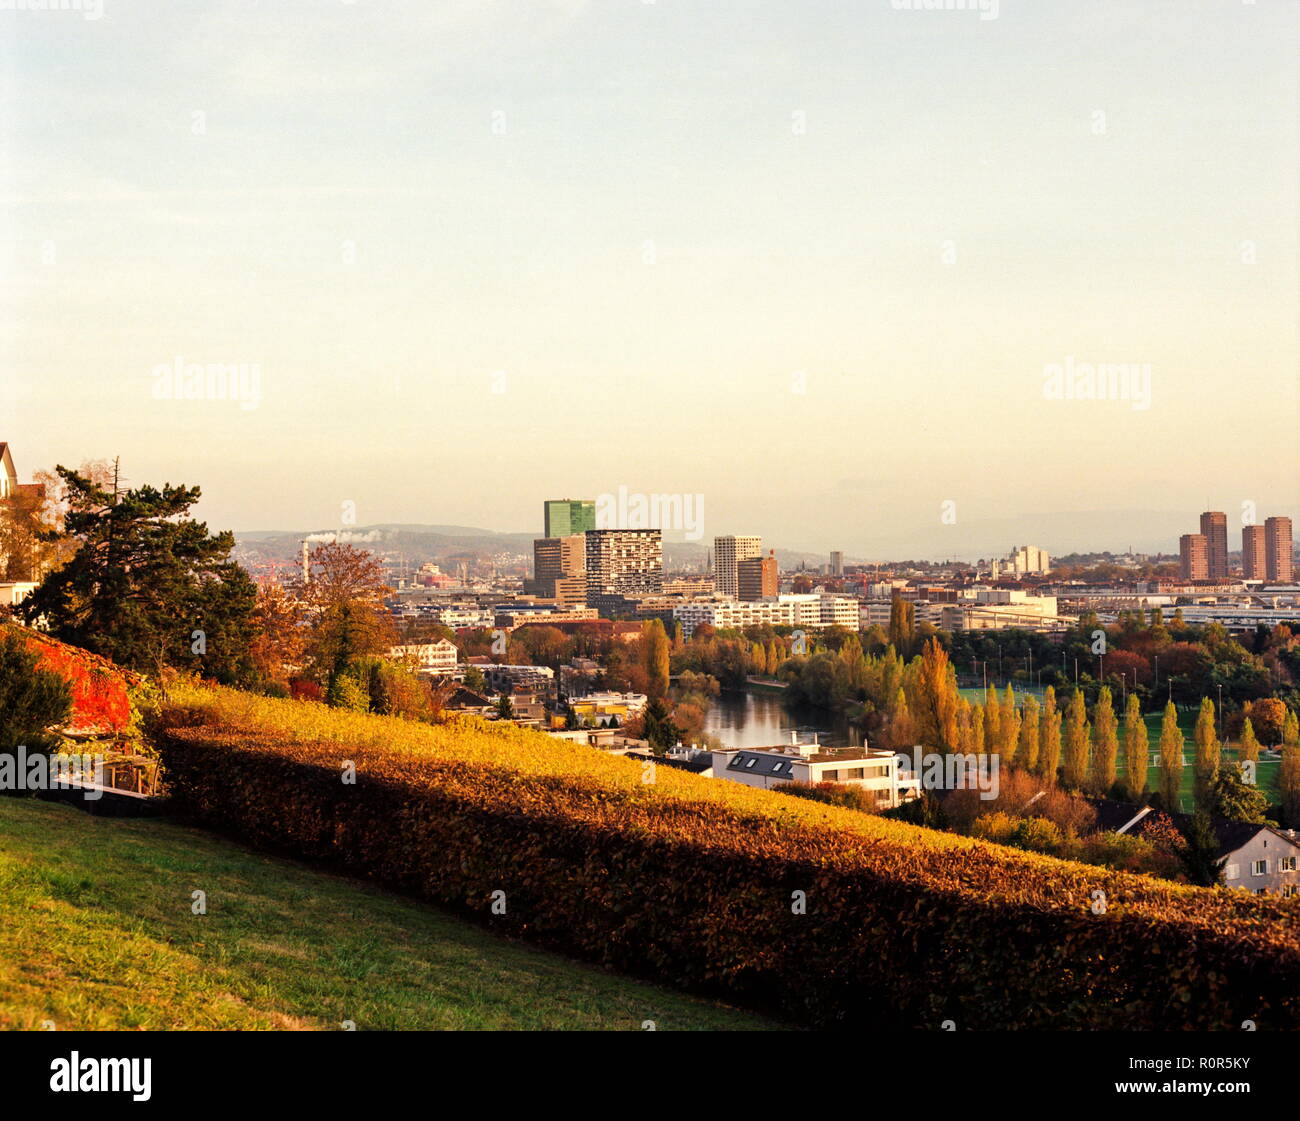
x: 690, y: 881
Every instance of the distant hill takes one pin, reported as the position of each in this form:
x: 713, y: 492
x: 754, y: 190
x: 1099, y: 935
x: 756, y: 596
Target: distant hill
x: 414, y: 543
x: 421, y: 543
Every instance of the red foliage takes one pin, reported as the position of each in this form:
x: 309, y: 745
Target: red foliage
x: 100, y: 704
x: 303, y: 690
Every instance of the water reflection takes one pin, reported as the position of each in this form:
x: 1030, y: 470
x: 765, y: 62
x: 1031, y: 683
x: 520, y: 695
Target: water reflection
x: 763, y: 720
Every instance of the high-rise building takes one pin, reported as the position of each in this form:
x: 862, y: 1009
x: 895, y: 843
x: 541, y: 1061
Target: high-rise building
x: 757, y: 578
x: 1193, y: 550
x: 1214, y: 528
x: 837, y: 564
x: 1279, y: 568
x: 1253, y: 552
x: 728, y: 552
x: 560, y: 556
x: 1030, y: 559
x: 563, y: 517
x: 624, y: 562
x: 559, y: 569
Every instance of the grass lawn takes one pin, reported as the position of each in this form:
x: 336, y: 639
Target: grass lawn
x: 97, y: 932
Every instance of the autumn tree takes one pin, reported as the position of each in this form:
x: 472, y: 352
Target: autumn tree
x: 1171, y: 759
x: 1105, y: 744
x: 1288, y: 781
x: 1137, y: 748
x: 933, y: 701
x: 1076, y: 741
x: 900, y: 727
x: 343, y: 600
x: 1249, y: 747
x: 1027, y: 749
x: 278, y: 635
x: 1049, y: 737
x: 902, y: 625
x: 655, y: 657
x: 1008, y: 729
x: 1268, y: 716
x: 1207, y: 749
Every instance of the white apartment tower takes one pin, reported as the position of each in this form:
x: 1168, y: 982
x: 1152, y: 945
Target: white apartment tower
x: 728, y: 552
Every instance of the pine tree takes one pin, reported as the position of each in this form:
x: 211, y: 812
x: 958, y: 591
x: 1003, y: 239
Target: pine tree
x: 1076, y: 742
x: 1027, y: 749
x: 1049, y: 737
x: 1105, y: 747
x: 1207, y: 750
x: 1137, y: 748
x: 1171, y: 760
x: 148, y: 586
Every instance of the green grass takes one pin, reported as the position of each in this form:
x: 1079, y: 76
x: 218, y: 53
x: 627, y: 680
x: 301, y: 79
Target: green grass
x: 97, y: 932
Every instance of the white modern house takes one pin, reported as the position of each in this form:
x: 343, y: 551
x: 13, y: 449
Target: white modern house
x: 872, y: 769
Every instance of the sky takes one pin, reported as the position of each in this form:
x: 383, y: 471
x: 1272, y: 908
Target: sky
x: 839, y: 267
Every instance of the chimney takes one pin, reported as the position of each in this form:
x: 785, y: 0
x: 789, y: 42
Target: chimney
x: 306, y: 563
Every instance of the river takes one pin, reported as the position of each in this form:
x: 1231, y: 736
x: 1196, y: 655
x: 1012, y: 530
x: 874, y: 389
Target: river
x: 763, y: 720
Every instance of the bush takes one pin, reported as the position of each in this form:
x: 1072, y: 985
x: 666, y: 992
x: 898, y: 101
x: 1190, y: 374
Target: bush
x: 831, y: 793
x: 371, y: 684
x: 690, y: 880
x: 32, y: 700
x: 1037, y: 834
x: 995, y: 826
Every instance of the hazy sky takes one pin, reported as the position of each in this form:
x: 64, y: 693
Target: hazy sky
x: 808, y: 259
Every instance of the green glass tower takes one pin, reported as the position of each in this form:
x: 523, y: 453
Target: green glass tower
x: 563, y: 517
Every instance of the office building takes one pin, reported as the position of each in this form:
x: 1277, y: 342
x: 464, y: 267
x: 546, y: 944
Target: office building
x: 837, y: 563
x: 728, y: 552
x: 624, y: 562
x: 1214, y: 528
x: 560, y: 569
x: 1193, y: 551
x: 563, y: 517
x: 1279, y: 568
x: 1030, y: 560
x: 1253, y: 551
x: 757, y: 577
